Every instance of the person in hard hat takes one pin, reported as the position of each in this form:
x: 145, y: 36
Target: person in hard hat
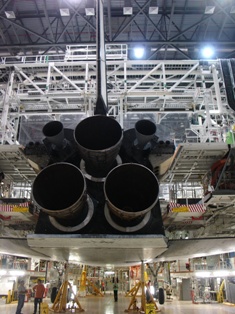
x: 39, y: 290
x: 21, y: 296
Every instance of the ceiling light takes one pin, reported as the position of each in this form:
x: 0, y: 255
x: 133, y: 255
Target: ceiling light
x: 90, y: 11
x: 2, y: 272
x: 90, y: 8
x: 127, y: 9
x: 209, y: 9
x: 208, y: 52
x: 10, y: 14
x: 203, y: 274
x: 139, y: 52
x: 153, y: 10
x: 17, y: 272
x: 64, y: 12
x: 169, y: 49
x: 109, y: 272
x: 232, y: 10
x: 221, y: 273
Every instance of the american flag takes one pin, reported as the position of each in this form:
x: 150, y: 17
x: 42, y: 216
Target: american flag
x: 192, y: 208
x: 10, y: 207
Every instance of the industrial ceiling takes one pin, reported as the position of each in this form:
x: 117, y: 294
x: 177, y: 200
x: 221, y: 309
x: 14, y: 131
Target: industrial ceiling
x: 48, y: 72
x: 168, y: 29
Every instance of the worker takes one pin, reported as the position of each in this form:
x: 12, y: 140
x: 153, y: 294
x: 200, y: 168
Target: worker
x: 148, y: 293
x: 39, y: 290
x: 103, y: 286
x: 168, y: 291
x: 21, y: 296
x: 115, y: 291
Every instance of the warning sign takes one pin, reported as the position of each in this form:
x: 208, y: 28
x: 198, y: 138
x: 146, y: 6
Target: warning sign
x: 20, y: 209
x: 44, y: 308
x: 181, y: 209
x: 150, y: 308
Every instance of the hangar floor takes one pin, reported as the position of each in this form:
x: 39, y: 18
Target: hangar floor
x: 106, y: 305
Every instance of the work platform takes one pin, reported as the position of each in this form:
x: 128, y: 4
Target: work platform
x: 192, y: 161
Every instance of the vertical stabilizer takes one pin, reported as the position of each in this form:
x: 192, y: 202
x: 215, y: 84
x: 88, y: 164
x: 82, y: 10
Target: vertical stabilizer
x: 101, y: 99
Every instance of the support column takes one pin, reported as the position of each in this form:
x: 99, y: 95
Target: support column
x: 6, y: 104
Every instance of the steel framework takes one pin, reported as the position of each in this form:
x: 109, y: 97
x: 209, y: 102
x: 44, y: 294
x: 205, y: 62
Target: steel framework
x: 55, y: 85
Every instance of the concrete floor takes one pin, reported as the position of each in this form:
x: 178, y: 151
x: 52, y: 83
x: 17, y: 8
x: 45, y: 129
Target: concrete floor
x: 106, y: 305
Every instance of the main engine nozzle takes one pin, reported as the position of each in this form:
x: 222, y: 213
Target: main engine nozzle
x: 60, y: 190
x: 99, y: 140
x: 131, y: 191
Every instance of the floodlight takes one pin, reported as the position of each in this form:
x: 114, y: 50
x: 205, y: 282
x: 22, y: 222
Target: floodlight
x: 10, y: 14
x: 90, y: 8
x: 209, y: 9
x: 153, y: 10
x: 64, y: 12
x: 127, y: 8
x: 139, y: 52
x: 208, y: 52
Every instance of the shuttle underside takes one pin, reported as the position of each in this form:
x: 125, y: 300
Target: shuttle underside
x: 100, y: 191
